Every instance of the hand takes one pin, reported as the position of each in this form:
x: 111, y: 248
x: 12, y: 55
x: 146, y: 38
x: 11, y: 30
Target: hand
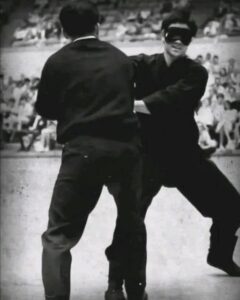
x: 140, y: 106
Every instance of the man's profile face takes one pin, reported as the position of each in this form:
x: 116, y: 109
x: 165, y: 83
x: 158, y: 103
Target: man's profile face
x: 176, y: 39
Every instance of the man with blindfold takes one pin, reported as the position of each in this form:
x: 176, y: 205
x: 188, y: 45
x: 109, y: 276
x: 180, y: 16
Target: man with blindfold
x: 171, y: 86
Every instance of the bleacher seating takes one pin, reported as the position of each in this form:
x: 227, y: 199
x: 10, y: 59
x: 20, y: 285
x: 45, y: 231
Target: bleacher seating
x: 38, y: 24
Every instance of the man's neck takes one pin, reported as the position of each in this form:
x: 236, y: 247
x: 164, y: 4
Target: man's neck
x: 170, y: 59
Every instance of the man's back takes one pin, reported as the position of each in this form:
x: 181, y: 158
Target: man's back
x: 88, y: 87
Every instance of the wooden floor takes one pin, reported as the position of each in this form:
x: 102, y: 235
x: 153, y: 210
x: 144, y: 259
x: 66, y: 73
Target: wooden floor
x: 177, y: 239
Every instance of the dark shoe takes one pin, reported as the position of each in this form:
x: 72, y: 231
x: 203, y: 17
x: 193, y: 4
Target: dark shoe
x: 57, y: 298
x: 114, y: 294
x: 230, y: 267
x: 134, y: 297
x: 221, y: 254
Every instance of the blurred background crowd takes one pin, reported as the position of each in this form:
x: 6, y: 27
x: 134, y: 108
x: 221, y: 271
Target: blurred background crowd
x: 123, y: 20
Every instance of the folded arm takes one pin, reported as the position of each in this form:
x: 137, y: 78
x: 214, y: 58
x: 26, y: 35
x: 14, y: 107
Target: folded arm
x: 184, y: 95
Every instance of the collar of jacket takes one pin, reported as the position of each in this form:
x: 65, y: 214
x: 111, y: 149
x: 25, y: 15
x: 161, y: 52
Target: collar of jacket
x: 84, y: 38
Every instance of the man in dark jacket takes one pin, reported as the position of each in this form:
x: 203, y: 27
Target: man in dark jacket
x: 87, y: 86
x: 171, y: 86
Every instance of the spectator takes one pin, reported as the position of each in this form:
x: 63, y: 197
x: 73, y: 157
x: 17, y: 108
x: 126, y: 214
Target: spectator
x: 237, y: 131
x: 20, y: 33
x: 231, y: 94
x: 34, y: 18
x: 9, y: 112
x: 218, y: 89
x: 143, y: 15
x: 215, y: 65
x: 156, y: 24
x: 47, y: 138
x: 19, y: 89
x: 121, y: 30
x: 207, y: 63
x: 212, y: 28
x: 25, y: 113
x: 205, y: 140
x: 132, y: 28
x: 232, y: 66
x: 225, y: 127
x: 229, y: 24
x: 145, y: 32
x: 205, y: 114
x: 223, y: 75
x: 218, y: 108
x: 199, y: 59
x: 8, y: 88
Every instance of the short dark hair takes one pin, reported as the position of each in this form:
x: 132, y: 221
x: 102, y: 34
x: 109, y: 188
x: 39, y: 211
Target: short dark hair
x: 220, y: 95
x: 180, y: 16
x: 79, y: 18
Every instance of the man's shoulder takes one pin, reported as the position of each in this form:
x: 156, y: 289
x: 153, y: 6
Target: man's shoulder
x: 146, y: 60
x: 54, y: 57
x: 113, y: 49
x: 196, y: 66
x: 97, y: 45
x: 151, y: 57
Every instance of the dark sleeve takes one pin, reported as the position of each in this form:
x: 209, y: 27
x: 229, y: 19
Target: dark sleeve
x: 142, y: 65
x: 184, y: 95
x: 46, y: 104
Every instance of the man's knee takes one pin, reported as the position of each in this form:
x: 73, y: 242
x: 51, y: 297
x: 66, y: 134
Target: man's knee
x: 58, y: 240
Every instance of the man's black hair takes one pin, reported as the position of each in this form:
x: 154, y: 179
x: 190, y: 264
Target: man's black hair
x: 79, y: 18
x: 180, y: 16
x: 220, y: 95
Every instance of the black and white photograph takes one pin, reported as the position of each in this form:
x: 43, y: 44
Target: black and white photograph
x: 119, y: 150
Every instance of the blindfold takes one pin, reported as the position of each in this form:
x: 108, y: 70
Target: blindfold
x: 173, y: 34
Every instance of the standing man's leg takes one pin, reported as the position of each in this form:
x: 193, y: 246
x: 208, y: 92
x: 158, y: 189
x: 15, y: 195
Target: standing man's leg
x: 150, y: 184
x: 206, y: 187
x: 74, y: 197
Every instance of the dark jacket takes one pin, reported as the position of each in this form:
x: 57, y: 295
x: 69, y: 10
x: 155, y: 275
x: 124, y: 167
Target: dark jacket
x: 87, y: 86
x: 172, y: 94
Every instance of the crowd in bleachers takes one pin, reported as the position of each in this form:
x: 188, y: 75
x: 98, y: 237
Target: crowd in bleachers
x: 122, y: 21
x: 218, y: 116
x: 219, y: 113
x: 225, y: 20
x: 19, y: 122
x: 135, y: 20
x: 41, y: 24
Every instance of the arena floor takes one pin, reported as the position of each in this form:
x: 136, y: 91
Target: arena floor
x: 177, y: 239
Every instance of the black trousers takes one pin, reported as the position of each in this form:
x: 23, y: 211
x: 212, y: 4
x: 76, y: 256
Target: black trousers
x: 87, y: 164
x: 203, y: 185
x: 199, y: 180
